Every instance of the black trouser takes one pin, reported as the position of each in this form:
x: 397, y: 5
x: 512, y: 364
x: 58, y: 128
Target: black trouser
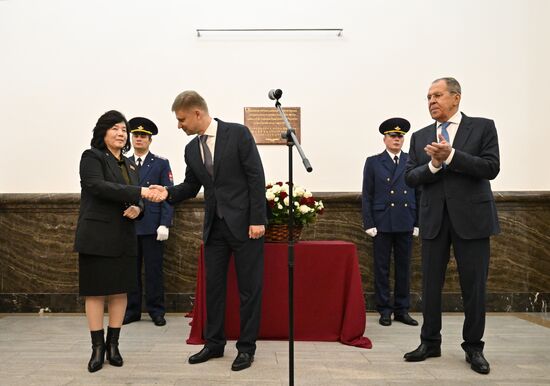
x: 472, y: 259
x: 401, y: 243
x: 249, y: 266
x: 150, y: 254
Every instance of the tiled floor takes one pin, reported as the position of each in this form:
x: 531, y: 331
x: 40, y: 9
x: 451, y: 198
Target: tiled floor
x: 54, y: 350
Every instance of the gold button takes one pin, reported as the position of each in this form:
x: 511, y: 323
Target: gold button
x: 392, y: 204
x: 392, y: 192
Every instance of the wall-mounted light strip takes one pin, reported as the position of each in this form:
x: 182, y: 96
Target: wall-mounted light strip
x: 339, y: 31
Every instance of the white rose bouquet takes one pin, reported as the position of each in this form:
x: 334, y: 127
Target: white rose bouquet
x: 306, y: 207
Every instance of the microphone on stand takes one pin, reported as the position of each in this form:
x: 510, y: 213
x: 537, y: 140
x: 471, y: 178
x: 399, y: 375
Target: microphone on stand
x: 275, y: 94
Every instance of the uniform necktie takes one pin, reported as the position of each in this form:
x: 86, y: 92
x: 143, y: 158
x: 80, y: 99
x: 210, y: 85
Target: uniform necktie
x: 138, y: 164
x: 444, y: 131
x: 208, y: 164
x: 396, y: 162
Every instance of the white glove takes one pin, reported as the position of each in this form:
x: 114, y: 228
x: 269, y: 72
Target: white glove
x: 416, y: 231
x: 371, y: 232
x: 162, y: 233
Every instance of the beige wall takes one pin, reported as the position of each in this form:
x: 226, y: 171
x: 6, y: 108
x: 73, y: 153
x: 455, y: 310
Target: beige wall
x: 65, y: 62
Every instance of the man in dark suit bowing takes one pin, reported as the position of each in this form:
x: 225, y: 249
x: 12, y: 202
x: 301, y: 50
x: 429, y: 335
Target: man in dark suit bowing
x: 452, y: 161
x: 153, y: 228
x: 223, y: 159
x: 389, y: 217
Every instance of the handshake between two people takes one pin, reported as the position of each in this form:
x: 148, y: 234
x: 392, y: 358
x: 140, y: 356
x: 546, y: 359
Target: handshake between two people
x: 154, y: 193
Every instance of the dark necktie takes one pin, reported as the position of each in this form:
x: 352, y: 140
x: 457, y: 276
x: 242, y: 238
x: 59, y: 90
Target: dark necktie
x: 138, y: 164
x: 444, y: 131
x: 208, y: 164
x: 396, y: 162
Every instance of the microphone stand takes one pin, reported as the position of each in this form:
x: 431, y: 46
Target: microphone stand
x: 291, y: 141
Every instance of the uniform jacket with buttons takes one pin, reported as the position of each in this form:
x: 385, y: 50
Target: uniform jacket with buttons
x: 102, y: 229
x: 154, y: 170
x: 388, y: 203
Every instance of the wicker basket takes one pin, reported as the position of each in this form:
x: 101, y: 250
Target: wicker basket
x: 278, y: 233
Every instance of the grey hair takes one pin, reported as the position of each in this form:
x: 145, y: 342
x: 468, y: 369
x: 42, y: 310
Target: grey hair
x: 452, y: 85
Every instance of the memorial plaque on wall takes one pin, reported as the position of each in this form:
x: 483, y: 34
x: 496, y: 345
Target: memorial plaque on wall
x: 266, y: 124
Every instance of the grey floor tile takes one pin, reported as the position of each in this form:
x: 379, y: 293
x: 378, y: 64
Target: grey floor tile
x: 53, y: 349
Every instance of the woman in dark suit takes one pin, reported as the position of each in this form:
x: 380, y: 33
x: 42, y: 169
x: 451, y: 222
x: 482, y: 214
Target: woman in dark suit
x: 106, y: 239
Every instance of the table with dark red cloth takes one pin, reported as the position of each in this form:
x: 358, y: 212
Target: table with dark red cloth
x: 328, y: 296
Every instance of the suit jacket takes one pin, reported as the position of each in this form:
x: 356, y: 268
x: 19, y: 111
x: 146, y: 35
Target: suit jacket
x: 102, y: 229
x: 237, y: 186
x: 388, y: 203
x: 155, y: 170
x: 462, y: 187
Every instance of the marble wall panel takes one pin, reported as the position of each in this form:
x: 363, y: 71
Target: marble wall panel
x: 38, y: 267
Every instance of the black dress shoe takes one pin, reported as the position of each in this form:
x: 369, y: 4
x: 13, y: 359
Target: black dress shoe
x: 159, y: 320
x: 243, y: 361
x: 477, y: 362
x: 131, y: 318
x: 204, y: 355
x: 406, y: 318
x: 385, y: 320
x: 422, y: 352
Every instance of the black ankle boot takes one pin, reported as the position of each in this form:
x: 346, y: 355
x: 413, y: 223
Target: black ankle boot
x: 98, y: 351
x: 113, y: 355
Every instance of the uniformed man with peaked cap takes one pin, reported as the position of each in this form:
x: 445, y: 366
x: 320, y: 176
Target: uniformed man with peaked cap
x: 153, y: 228
x: 389, y: 217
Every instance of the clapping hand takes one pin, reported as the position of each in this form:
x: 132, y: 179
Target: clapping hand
x: 132, y: 212
x: 438, y: 151
x: 154, y: 193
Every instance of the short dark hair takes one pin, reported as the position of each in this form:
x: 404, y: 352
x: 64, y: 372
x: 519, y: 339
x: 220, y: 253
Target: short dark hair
x: 104, y: 123
x: 452, y: 85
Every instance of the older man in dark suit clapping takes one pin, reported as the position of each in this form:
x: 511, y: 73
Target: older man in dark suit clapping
x: 451, y: 162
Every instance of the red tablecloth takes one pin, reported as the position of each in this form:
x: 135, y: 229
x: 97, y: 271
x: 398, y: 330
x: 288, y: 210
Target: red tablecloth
x: 328, y: 296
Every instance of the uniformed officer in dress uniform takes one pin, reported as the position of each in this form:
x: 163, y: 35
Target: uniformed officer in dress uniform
x: 153, y: 228
x: 389, y: 217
